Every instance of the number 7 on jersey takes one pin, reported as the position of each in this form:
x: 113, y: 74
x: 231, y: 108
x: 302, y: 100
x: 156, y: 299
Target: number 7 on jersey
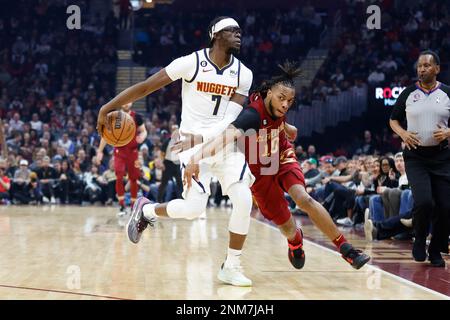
x: 217, y: 99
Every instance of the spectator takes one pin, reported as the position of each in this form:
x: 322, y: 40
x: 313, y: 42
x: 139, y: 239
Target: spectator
x: 391, y: 196
x: 48, y: 177
x: 309, y: 168
x: 83, y: 160
x: 5, y: 183
x: 66, y: 143
x: 21, y: 185
x: 377, y: 76
x: 311, y: 152
x: 92, y: 190
x: 35, y: 123
x: 300, y: 153
x: 15, y: 124
x: 69, y: 185
x: 108, y: 182
x: 338, y: 76
x: 171, y: 168
x: 368, y: 146
x: 398, y: 226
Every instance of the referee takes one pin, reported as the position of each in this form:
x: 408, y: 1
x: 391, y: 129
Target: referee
x: 426, y: 108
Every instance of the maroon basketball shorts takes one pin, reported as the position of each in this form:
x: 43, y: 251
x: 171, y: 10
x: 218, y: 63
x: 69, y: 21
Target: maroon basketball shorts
x: 127, y: 161
x: 269, y: 190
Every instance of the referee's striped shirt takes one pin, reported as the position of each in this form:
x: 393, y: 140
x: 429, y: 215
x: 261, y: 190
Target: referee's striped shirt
x: 423, y: 110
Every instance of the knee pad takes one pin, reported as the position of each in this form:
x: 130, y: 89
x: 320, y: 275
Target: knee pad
x: 241, y: 198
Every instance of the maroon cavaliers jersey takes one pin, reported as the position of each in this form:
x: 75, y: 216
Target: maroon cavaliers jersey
x: 272, y: 144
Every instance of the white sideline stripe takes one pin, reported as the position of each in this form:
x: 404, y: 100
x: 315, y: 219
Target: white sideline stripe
x: 413, y: 284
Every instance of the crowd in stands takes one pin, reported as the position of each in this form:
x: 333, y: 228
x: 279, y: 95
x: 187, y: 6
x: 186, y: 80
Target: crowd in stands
x: 268, y: 37
x: 52, y: 81
x: 383, y: 57
x: 365, y: 189
x: 356, y: 57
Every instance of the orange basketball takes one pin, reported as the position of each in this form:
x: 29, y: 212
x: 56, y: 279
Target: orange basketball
x: 122, y: 128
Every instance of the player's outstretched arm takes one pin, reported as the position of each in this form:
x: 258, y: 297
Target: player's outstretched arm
x: 132, y: 94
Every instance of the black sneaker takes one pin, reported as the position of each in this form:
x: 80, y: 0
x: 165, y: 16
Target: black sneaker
x: 296, y: 254
x: 355, y: 257
x: 137, y: 222
x: 419, y: 250
x: 436, y: 259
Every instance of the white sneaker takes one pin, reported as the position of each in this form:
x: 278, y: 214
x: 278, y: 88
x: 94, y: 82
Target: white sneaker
x: 45, y: 199
x: 234, y: 275
x: 345, y: 222
x: 122, y: 212
x: 368, y: 226
x: 407, y: 222
x: 53, y: 200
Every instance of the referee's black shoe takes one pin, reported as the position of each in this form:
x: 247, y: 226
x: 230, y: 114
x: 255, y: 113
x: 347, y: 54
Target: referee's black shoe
x: 355, y: 257
x: 436, y: 259
x: 419, y: 250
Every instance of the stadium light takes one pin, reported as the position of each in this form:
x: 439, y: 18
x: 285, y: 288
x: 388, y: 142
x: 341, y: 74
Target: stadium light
x: 136, y: 4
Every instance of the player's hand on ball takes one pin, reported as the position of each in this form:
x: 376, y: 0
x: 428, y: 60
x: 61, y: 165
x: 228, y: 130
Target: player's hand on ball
x: 190, y: 172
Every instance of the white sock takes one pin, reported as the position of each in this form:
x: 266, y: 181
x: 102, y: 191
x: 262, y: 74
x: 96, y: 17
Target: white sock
x: 233, y: 258
x: 149, y: 211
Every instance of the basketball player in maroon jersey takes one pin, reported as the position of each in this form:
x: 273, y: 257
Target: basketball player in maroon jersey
x: 126, y: 160
x: 266, y: 115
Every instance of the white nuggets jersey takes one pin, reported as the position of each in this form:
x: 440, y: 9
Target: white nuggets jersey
x: 207, y: 89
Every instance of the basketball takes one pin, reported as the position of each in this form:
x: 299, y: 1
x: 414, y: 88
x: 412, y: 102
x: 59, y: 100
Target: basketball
x: 121, y: 130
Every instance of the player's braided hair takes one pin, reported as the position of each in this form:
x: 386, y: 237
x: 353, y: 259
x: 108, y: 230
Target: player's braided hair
x: 290, y: 72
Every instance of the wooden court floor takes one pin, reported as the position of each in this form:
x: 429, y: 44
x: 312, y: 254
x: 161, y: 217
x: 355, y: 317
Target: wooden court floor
x: 66, y: 252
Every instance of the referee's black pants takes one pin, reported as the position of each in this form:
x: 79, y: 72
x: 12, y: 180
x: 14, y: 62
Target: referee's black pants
x: 171, y: 170
x: 428, y: 172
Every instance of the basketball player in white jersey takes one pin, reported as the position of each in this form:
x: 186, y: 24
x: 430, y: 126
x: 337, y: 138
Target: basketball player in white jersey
x: 215, y: 86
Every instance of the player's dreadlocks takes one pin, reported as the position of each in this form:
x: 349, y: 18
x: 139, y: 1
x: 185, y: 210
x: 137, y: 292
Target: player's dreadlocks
x: 290, y: 72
